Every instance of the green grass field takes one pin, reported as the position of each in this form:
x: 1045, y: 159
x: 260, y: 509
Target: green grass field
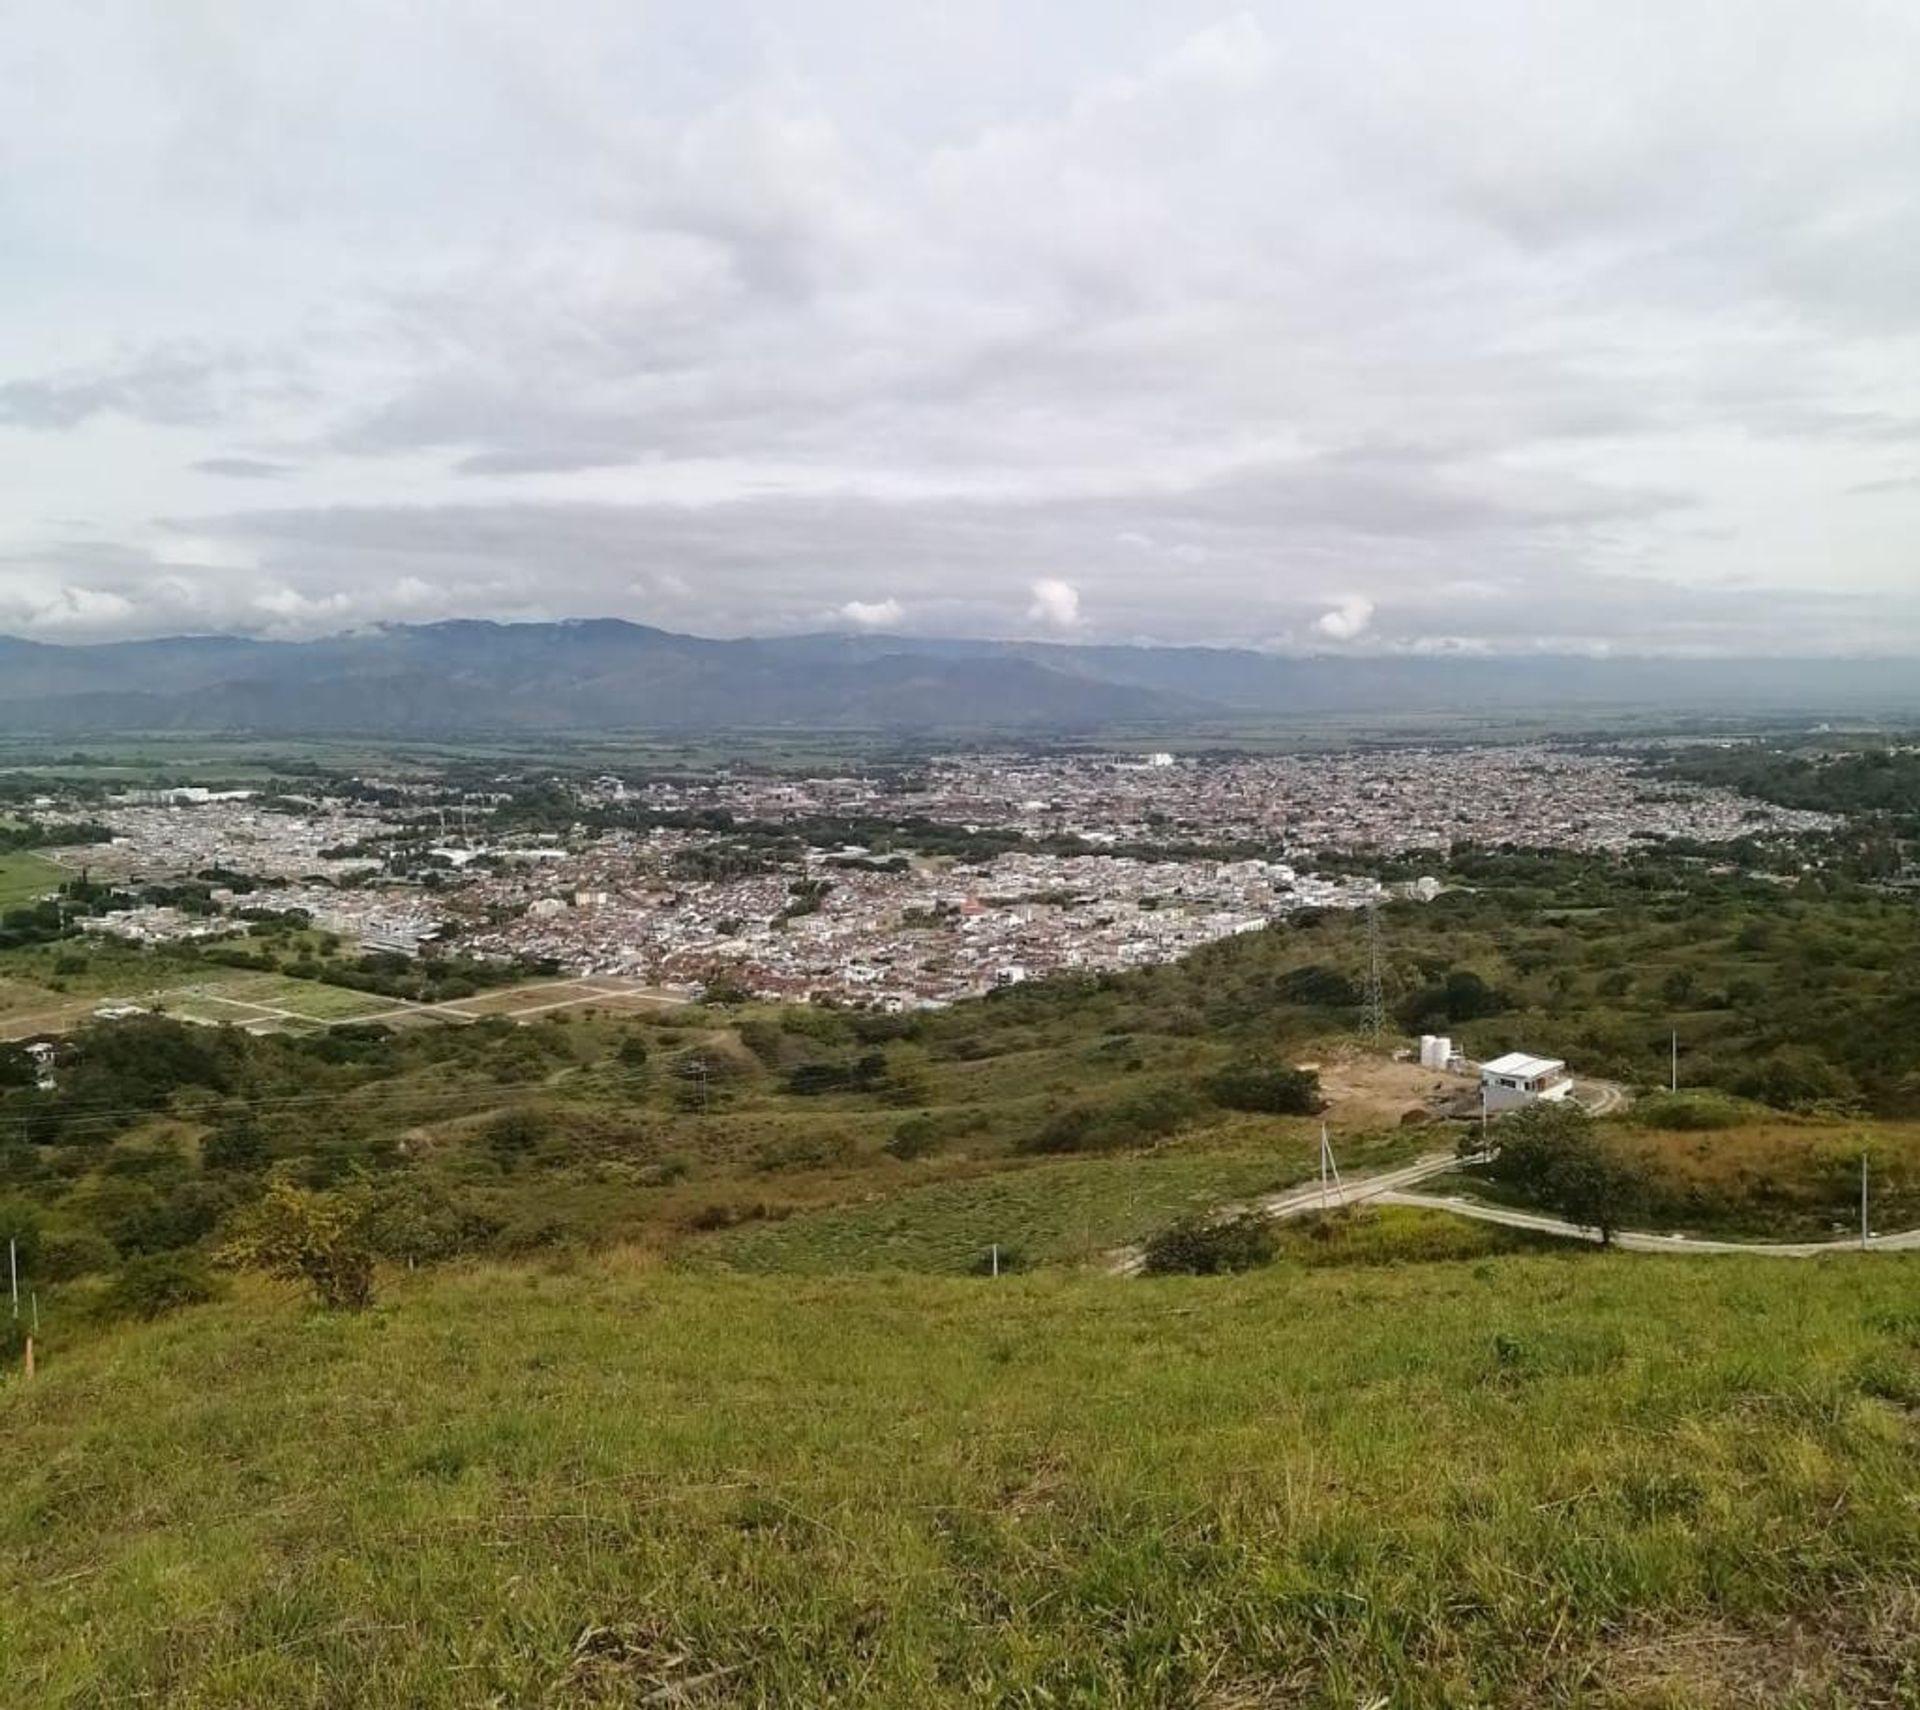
x: 26, y: 878
x: 1516, y: 1481
x: 1042, y: 1214
x: 311, y: 1000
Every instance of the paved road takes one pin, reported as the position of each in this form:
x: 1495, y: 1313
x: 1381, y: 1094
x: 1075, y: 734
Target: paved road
x: 1311, y: 1196
x: 1647, y: 1240
x: 1390, y: 1187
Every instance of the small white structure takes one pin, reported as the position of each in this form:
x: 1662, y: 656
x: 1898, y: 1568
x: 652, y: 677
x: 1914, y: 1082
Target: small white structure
x: 1436, y: 1052
x: 1516, y: 1079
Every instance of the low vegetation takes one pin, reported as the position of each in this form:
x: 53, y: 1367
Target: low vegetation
x: 1511, y: 1481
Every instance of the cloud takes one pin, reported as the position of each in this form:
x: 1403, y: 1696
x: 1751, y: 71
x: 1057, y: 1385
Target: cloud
x: 164, y: 386
x: 1055, y: 603
x: 875, y: 614
x: 242, y: 468
x: 1210, y: 308
x: 1348, y: 621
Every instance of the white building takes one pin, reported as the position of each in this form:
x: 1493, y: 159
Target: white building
x: 1509, y: 1082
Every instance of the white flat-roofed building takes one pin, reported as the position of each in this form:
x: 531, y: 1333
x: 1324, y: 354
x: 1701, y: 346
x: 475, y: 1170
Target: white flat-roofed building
x: 1516, y: 1079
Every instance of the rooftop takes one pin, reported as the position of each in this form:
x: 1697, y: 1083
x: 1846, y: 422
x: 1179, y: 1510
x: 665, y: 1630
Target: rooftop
x: 1521, y: 1067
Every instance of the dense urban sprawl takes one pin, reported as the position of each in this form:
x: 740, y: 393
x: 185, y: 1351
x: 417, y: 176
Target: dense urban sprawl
x: 1100, y: 863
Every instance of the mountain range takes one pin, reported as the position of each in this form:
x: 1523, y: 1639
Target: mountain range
x: 470, y: 677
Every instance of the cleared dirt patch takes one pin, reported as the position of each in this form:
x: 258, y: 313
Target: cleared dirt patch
x: 1369, y: 1090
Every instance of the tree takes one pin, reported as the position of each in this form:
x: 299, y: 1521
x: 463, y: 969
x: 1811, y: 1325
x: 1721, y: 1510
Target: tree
x: 320, y: 1239
x: 17, y: 1067
x: 1319, y: 986
x: 415, y: 1222
x: 237, y: 1145
x: 1552, y: 1154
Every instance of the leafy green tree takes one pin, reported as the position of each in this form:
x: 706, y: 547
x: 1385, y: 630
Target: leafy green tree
x: 1551, y: 1153
x: 320, y: 1239
x: 413, y: 1222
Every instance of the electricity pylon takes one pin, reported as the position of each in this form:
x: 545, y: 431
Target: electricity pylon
x: 1373, y: 1011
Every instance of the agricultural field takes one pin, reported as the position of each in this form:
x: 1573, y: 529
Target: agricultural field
x: 26, y: 878
x: 1507, y: 1481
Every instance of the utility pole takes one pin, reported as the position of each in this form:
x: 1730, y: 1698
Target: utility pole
x: 13, y: 1269
x: 1329, y: 1170
x: 1373, y: 1014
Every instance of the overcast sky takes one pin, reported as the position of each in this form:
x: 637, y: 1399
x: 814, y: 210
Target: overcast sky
x: 1339, y: 324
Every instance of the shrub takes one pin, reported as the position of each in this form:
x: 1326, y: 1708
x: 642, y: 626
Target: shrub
x: 320, y: 1239
x: 811, y: 1079
x: 1688, y: 1112
x: 1795, y: 1077
x: 157, y: 1284
x: 236, y: 1145
x: 917, y: 1137
x: 66, y: 1256
x: 1269, y: 1088
x: 1320, y: 987
x: 513, y: 1134
x: 415, y: 1223
x: 1203, y: 1246
x: 20, y: 1224
x: 1107, y: 1128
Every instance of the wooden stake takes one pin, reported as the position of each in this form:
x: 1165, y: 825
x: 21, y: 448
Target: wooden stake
x: 29, y: 1359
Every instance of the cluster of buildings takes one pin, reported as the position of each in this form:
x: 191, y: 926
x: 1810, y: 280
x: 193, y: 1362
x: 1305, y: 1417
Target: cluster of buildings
x: 835, y: 927
x: 1395, y: 801
x: 193, y: 831
x: 898, y: 926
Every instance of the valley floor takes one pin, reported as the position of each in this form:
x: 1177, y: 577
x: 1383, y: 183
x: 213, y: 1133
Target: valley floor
x: 1564, y: 1478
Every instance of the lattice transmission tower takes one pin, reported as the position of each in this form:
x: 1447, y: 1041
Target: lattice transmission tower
x: 1373, y: 1010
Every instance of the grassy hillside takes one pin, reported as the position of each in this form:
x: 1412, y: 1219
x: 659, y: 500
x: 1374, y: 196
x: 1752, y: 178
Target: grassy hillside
x: 1517, y: 1481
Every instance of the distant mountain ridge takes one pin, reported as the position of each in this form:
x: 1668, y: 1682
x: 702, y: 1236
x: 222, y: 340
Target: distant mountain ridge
x: 470, y: 676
